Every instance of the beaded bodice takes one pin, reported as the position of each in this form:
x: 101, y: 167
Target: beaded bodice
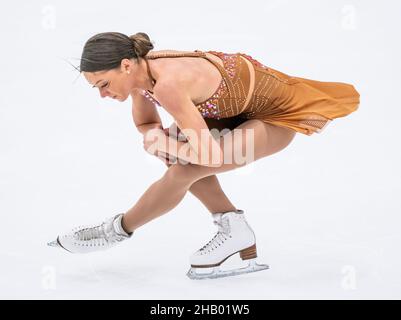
x: 235, y: 94
x: 218, y: 105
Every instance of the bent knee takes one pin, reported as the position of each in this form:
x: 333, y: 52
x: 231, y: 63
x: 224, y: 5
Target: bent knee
x: 182, y: 172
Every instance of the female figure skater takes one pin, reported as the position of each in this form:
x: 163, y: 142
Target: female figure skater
x: 203, y: 91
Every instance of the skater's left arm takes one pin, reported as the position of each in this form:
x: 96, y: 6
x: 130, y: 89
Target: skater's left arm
x: 202, y: 147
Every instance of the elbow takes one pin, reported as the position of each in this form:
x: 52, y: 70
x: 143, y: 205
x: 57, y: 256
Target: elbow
x: 145, y: 127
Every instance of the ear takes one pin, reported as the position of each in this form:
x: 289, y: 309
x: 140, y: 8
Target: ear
x: 125, y: 65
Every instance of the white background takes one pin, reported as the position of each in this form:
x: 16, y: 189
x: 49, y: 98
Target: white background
x: 326, y: 210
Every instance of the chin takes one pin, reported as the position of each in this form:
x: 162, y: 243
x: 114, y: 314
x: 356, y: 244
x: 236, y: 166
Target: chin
x: 123, y: 99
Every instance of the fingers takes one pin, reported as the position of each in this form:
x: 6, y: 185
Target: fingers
x: 173, y: 130
x: 166, y: 159
x: 163, y: 159
x: 166, y: 131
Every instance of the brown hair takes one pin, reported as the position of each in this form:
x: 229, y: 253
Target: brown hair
x: 104, y: 51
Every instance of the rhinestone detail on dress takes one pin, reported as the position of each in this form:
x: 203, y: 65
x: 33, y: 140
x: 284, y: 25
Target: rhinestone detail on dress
x: 261, y: 65
x: 209, y: 108
x: 254, y: 61
x: 147, y: 95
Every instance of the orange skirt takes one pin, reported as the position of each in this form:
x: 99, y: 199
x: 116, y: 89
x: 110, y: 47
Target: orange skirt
x: 308, y: 106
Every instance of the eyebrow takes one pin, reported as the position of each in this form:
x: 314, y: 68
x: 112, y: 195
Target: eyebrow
x: 97, y: 83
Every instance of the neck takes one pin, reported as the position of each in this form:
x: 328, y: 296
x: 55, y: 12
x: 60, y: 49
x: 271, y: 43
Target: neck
x: 151, y: 74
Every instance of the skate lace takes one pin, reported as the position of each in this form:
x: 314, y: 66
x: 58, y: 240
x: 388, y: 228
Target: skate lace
x: 97, y: 235
x: 90, y: 233
x: 219, y: 237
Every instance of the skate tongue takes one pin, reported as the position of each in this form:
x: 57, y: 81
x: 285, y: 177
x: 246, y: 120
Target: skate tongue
x: 117, y: 225
x: 217, y: 216
x: 223, y: 225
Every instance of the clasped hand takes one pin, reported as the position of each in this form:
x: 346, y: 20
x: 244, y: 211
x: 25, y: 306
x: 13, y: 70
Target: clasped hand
x: 161, y: 135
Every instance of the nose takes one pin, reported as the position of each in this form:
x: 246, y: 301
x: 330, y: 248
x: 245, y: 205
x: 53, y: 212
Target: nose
x: 103, y: 93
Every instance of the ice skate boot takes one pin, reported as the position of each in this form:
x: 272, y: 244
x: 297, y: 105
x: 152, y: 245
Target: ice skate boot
x: 234, y: 236
x: 85, y: 239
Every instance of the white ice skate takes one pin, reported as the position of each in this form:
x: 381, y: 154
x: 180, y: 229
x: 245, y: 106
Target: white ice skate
x: 234, y: 236
x: 85, y: 239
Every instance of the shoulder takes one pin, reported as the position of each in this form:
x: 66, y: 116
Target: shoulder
x: 172, y: 92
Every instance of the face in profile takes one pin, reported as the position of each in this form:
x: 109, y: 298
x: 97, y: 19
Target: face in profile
x: 116, y: 83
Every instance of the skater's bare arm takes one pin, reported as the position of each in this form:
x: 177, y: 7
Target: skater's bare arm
x: 146, y: 117
x: 144, y: 114
x: 202, y: 146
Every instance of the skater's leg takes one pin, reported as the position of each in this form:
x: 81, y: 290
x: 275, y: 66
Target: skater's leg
x: 208, y: 189
x: 167, y: 192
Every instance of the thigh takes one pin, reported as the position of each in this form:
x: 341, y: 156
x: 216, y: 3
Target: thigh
x: 248, y: 142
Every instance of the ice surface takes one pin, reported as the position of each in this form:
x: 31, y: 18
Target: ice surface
x: 326, y: 210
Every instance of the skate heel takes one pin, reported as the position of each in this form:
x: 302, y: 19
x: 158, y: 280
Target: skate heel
x: 248, y: 253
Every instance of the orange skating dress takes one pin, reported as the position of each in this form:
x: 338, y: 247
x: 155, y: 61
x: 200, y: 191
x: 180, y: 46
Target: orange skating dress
x: 251, y: 90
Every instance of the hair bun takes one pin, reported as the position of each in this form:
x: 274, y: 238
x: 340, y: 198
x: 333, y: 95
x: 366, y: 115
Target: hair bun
x: 141, y: 43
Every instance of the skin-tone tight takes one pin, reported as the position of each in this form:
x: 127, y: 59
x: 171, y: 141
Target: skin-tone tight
x: 165, y: 194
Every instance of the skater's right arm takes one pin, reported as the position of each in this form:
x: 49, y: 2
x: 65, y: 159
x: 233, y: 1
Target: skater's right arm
x: 144, y: 113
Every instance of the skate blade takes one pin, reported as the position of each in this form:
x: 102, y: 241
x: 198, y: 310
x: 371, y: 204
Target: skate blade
x: 54, y: 243
x: 218, y: 273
